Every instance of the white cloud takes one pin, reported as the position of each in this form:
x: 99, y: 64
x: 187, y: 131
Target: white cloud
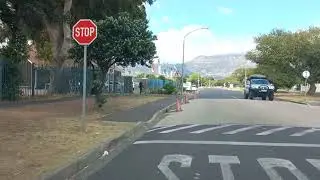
x: 203, y: 42
x: 225, y: 10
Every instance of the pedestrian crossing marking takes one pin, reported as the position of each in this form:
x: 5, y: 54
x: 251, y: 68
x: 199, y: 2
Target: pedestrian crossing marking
x: 307, y: 131
x: 159, y: 128
x: 268, y: 132
x: 209, y: 129
x: 197, y: 129
x: 178, y: 129
x: 242, y: 129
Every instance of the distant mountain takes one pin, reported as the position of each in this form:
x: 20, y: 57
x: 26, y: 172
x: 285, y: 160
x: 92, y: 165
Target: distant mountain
x: 218, y: 66
x: 165, y: 68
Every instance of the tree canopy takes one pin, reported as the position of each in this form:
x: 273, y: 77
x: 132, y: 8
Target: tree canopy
x: 123, y: 40
x: 284, y: 55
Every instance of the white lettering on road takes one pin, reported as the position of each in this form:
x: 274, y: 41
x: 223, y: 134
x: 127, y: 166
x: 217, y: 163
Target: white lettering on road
x: 268, y: 164
x: 264, y: 133
x: 184, y: 160
x: 210, y: 129
x: 241, y: 129
x: 232, y: 143
x: 178, y: 129
x: 225, y: 164
x: 315, y: 163
x: 307, y: 131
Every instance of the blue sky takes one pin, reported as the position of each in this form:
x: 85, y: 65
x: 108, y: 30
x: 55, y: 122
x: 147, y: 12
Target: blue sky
x: 228, y: 20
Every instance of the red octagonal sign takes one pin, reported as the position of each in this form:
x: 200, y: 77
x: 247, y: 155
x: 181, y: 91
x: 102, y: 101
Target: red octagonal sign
x: 84, y: 32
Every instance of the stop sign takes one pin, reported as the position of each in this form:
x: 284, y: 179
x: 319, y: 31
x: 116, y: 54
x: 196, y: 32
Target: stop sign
x: 84, y: 32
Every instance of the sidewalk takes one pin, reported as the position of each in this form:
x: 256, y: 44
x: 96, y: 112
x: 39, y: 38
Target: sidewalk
x: 142, y: 113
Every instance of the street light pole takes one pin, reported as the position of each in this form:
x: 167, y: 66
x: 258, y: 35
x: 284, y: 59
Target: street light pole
x: 183, y: 49
x: 182, y: 67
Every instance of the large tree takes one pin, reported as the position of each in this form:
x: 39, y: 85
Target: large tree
x: 52, y: 19
x: 122, y: 40
x: 284, y: 55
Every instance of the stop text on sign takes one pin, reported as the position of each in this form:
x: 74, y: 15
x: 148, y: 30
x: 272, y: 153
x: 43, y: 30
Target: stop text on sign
x: 84, y: 32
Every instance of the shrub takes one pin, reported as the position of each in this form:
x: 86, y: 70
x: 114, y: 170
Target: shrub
x: 169, y: 89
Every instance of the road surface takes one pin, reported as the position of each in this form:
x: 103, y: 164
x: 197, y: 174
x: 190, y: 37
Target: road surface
x: 221, y: 136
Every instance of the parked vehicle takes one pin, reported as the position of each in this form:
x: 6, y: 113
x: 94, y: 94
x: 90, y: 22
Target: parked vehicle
x: 259, y: 86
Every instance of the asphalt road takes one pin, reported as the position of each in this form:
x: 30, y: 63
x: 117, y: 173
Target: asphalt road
x: 207, y: 146
x: 219, y: 93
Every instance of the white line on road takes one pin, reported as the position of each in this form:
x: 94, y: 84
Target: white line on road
x: 178, y: 129
x: 159, y: 128
x: 272, y: 131
x: 241, y: 129
x: 210, y: 129
x: 307, y: 131
x: 314, y: 162
x: 232, y: 143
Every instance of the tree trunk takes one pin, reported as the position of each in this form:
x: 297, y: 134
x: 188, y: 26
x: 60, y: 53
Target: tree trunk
x: 60, y: 38
x: 312, y: 89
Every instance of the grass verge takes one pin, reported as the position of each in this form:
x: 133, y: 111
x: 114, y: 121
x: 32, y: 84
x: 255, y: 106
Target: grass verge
x: 40, y: 138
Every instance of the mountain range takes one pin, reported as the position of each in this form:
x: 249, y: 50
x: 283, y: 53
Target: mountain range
x: 218, y: 66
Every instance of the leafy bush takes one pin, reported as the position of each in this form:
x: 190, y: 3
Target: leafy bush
x: 169, y: 88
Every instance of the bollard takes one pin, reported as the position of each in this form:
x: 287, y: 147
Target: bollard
x: 178, y: 105
x: 186, y: 99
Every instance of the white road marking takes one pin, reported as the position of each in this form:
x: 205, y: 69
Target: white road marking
x: 315, y: 163
x: 185, y: 161
x: 268, y: 164
x: 159, y: 128
x: 225, y: 162
x: 232, y: 143
x: 178, y: 129
x: 307, y: 131
x: 241, y: 129
x: 268, y: 132
x: 210, y: 129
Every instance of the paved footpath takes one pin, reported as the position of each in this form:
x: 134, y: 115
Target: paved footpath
x: 142, y: 113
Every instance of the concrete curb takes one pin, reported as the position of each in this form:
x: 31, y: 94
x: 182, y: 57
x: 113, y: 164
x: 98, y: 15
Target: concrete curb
x: 95, y: 159
x: 291, y: 101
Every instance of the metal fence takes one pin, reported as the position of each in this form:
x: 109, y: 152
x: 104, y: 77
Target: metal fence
x: 45, y: 81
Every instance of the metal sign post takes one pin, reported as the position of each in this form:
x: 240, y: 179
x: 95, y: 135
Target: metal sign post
x: 84, y: 90
x: 84, y: 32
